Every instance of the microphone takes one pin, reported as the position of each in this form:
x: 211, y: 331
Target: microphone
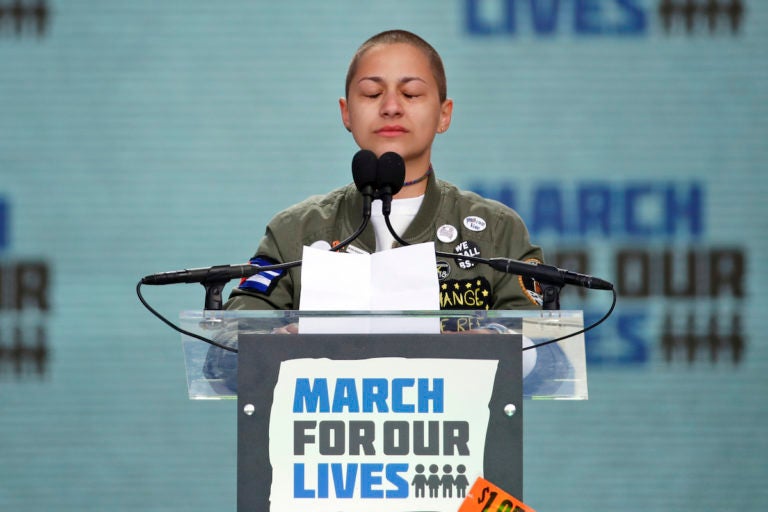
x: 364, y: 170
x: 390, y: 178
x: 214, y: 279
x: 547, y: 274
x: 218, y: 273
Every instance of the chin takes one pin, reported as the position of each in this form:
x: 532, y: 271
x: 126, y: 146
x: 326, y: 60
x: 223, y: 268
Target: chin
x: 386, y: 148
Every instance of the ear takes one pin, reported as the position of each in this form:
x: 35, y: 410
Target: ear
x: 344, y: 113
x: 446, y: 111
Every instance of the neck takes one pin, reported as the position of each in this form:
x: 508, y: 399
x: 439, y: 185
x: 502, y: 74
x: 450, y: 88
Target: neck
x: 414, y: 172
x: 415, y: 190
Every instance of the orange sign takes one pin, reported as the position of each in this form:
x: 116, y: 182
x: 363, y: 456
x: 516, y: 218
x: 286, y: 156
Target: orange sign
x: 486, y: 497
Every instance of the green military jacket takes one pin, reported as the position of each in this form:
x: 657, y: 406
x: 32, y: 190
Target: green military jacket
x: 457, y: 221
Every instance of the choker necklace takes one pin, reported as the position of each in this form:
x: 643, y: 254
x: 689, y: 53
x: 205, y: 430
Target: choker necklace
x: 419, y: 179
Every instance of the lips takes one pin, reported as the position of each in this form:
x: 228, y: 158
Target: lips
x: 391, y: 130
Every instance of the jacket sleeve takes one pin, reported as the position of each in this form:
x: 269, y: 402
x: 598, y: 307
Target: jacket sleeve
x: 278, y: 295
x: 512, y: 291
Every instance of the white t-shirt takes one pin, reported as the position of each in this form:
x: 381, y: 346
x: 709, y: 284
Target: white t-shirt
x: 402, y: 214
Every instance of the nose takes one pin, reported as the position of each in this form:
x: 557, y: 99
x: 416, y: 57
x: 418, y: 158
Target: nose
x: 391, y: 105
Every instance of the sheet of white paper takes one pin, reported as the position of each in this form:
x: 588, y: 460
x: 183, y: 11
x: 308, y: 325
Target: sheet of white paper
x: 334, y: 281
x: 402, y: 279
x: 405, y: 279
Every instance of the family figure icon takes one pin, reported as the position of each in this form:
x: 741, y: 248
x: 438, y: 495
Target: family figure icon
x: 447, y: 481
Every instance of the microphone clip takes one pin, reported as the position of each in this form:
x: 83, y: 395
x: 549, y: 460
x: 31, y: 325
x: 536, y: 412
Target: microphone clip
x: 213, y: 294
x: 550, y: 296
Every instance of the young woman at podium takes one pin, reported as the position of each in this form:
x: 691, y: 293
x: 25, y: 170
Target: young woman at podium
x: 396, y: 101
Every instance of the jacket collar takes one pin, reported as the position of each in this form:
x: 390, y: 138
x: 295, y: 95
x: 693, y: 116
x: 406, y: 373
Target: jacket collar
x: 421, y: 229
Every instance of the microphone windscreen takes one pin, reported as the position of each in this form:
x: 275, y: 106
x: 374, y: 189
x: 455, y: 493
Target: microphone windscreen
x: 364, y: 169
x: 391, y: 171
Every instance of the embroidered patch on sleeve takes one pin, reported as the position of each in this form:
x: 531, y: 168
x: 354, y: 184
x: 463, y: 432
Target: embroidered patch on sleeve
x: 265, y: 281
x: 531, y: 288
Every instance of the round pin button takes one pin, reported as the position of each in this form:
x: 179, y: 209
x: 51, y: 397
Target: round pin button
x: 321, y: 245
x: 474, y: 223
x: 447, y: 233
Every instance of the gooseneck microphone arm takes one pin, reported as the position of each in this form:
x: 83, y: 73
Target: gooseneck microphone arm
x: 392, y: 232
x: 364, y: 169
x: 351, y: 238
x: 390, y: 179
x: 551, y: 279
x: 391, y: 173
x: 213, y: 278
x: 549, y: 274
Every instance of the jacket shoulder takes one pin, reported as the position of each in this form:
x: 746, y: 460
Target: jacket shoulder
x: 470, y: 203
x: 320, y: 206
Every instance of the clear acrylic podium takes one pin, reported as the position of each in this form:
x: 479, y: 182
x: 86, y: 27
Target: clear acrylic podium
x: 389, y: 411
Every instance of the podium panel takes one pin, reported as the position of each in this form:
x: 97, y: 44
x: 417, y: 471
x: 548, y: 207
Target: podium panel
x: 359, y: 419
x: 380, y: 411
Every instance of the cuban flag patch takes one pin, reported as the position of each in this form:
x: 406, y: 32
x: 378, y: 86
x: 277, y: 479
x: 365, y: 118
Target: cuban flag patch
x: 263, y: 282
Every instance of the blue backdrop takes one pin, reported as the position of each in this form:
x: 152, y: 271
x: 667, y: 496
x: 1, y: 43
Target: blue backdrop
x: 138, y: 137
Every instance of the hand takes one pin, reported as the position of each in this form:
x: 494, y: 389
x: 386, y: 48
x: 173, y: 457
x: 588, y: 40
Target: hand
x: 287, y: 329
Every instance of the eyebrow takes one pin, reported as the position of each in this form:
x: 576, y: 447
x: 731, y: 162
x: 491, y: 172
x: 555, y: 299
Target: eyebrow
x: 403, y: 80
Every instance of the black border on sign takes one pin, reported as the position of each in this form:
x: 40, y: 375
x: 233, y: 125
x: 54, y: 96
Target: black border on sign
x: 260, y: 357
